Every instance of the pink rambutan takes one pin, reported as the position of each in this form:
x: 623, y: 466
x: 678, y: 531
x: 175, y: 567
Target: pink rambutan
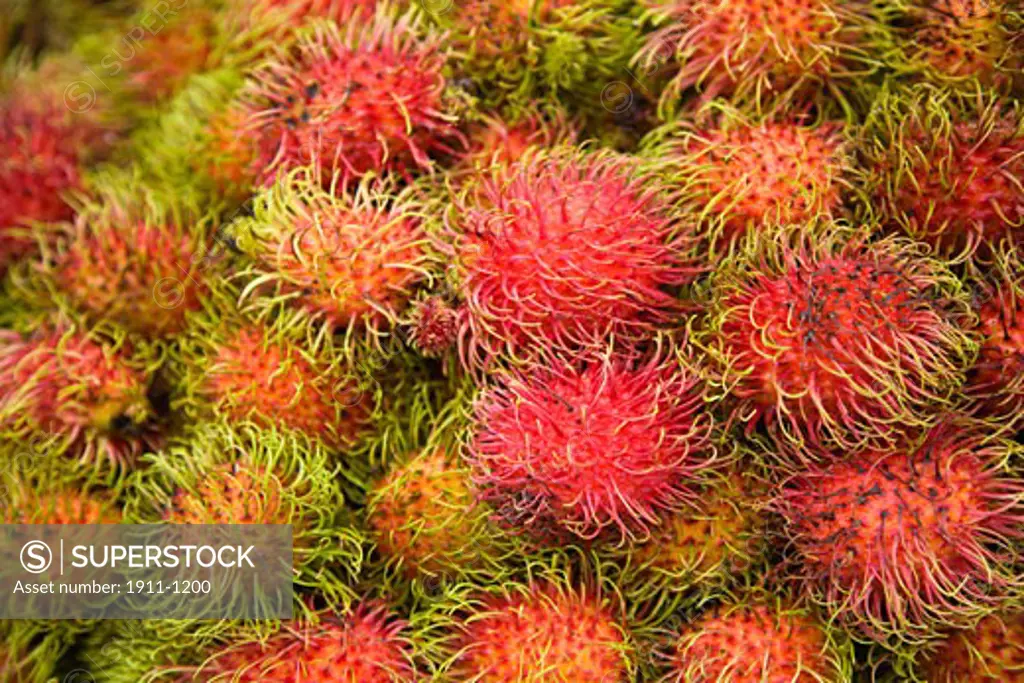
x: 542, y: 633
x: 992, y: 650
x: 563, y: 250
x: 948, y: 172
x: 365, y: 646
x: 836, y: 340
x: 758, y: 642
x: 900, y: 543
x: 370, y: 100
x: 739, y: 175
x: 433, y: 326
x: 581, y: 449
x: 761, y: 51
x: 75, y: 393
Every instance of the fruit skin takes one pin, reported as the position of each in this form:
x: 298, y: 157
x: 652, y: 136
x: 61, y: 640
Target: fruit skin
x: 432, y: 326
x: 541, y: 256
x: 69, y: 391
x: 831, y: 339
x: 992, y: 650
x: 739, y: 173
x: 762, y: 55
x: 944, y: 169
x: 367, y: 645
x: 44, y: 503
x: 758, y: 641
x: 901, y: 542
x: 370, y: 100
x: 960, y: 44
x: 350, y: 262
x: 499, y: 140
x: 995, y: 384
x: 577, y: 450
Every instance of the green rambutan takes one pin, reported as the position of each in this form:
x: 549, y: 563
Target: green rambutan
x: 579, y: 449
x: 28, y: 653
x: 372, y: 99
x: 350, y: 262
x: 221, y: 474
x: 947, y: 171
x: 740, y: 175
x: 835, y: 340
x: 960, y: 43
x: 766, y: 53
x: 73, y: 392
x: 995, y: 384
x: 562, y: 251
x: 992, y: 650
x: 762, y: 641
x: 426, y: 523
x: 903, y: 542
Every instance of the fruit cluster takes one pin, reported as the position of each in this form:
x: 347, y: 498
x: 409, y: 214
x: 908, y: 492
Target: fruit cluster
x: 583, y: 342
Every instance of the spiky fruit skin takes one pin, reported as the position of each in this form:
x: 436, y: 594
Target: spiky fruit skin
x: 134, y: 271
x: 366, y: 646
x: 542, y: 634
x: 59, y: 506
x: 961, y: 43
x: 945, y: 172
x: 740, y: 175
x: 756, y: 643
x: 75, y: 394
x: 231, y: 494
x: 993, y: 650
x: 254, y: 375
x: 433, y: 326
x: 166, y: 58
x: 765, y: 54
x: 836, y: 341
x: 582, y: 449
x: 901, y: 542
x: 496, y: 141
x: 562, y: 251
x: 424, y: 519
x: 995, y: 384
x: 350, y: 262
x: 371, y: 99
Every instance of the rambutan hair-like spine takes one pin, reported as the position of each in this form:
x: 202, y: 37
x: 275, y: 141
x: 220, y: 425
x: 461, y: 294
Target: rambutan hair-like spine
x: 827, y: 337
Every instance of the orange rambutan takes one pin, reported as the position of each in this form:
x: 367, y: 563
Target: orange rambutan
x: 992, y: 650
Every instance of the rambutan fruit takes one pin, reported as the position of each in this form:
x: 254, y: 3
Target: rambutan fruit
x: 960, y: 43
x: 72, y: 392
x: 769, y: 55
x: 758, y: 641
x: 992, y: 650
x: 223, y: 474
x: 580, y: 449
x: 563, y: 250
x: 426, y: 523
x: 45, y: 503
x: 350, y: 262
x: 367, y: 645
x: 432, y: 325
x: 28, y: 652
x: 370, y: 100
x: 541, y: 631
x: 740, y: 175
x: 901, y: 543
x: 995, y: 384
x: 134, y: 264
x: 834, y: 339
x: 264, y: 374
x: 947, y: 171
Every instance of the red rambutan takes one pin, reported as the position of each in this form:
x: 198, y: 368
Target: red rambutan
x: 904, y: 542
x: 584, y: 448
x: 432, y: 327
x: 948, y: 172
x: 543, y: 633
x: 494, y: 141
x: 74, y: 393
x: 365, y: 646
x: 740, y: 175
x: 836, y: 340
x: 761, y: 51
x: 993, y: 650
x: 562, y: 251
x: 757, y: 643
x: 370, y: 100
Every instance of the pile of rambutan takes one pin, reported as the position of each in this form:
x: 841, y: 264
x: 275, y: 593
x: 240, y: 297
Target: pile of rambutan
x: 606, y: 341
